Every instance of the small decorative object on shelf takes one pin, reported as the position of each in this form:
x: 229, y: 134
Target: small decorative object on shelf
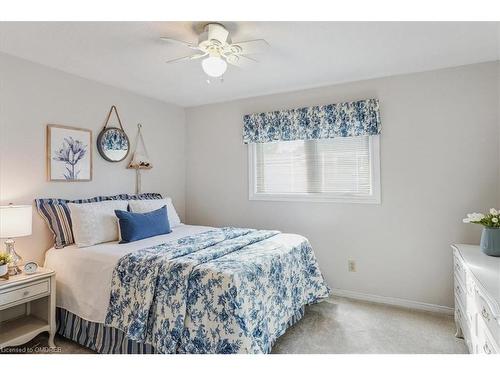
x: 5, y: 259
x: 112, y: 142
x: 30, y: 268
x: 15, y: 221
x: 140, y: 159
x: 490, y: 238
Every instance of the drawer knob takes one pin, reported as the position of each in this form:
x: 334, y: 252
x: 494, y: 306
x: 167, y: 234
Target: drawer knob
x: 486, y: 348
x: 485, y: 314
x: 25, y: 293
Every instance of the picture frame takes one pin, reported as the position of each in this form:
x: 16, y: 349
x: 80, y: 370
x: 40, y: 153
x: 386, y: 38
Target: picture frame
x: 68, y: 153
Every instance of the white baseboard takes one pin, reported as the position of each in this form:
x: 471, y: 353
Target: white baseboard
x: 394, y: 301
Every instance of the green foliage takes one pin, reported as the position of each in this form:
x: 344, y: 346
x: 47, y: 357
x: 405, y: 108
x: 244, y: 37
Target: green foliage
x: 5, y: 258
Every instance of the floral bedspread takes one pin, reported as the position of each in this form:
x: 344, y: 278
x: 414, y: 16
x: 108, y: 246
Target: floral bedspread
x: 227, y: 290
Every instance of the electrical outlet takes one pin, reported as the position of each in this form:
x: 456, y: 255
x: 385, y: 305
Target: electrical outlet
x: 351, y: 265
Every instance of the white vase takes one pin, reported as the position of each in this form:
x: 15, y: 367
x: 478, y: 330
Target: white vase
x: 3, y: 269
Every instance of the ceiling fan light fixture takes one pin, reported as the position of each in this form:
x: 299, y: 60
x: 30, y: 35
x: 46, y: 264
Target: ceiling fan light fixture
x: 214, y: 66
x: 216, y: 50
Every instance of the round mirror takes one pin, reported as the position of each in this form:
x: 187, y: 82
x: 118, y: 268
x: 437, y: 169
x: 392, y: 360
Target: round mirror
x: 113, y: 144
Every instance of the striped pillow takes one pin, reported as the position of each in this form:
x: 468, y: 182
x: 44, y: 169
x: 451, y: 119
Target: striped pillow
x: 56, y: 213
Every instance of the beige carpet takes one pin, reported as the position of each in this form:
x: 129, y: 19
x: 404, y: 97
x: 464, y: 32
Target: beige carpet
x: 341, y: 325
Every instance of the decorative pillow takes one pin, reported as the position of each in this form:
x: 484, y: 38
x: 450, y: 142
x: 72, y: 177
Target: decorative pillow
x: 95, y: 222
x: 56, y: 214
x: 137, y: 226
x: 147, y: 205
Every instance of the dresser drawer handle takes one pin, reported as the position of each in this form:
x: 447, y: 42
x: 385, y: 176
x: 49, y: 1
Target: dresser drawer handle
x: 485, y: 314
x: 486, y: 348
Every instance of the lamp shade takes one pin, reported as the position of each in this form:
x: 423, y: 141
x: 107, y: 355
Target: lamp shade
x: 15, y: 221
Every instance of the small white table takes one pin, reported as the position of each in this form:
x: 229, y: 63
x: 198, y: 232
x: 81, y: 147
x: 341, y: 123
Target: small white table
x: 27, y: 307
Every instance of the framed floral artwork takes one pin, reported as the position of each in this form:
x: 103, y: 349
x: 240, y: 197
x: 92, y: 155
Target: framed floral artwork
x: 69, y: 153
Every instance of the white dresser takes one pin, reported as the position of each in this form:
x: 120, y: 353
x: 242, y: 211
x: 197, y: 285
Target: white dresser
x: 477, y: 299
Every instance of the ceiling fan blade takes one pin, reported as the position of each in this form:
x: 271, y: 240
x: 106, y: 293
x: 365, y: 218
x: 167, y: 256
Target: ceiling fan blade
x: 251, y: 46
x: 198, y: 56
x: 240, y: 61
x: 185, y: 58
x: 187, y: 44
x: 217, y: 32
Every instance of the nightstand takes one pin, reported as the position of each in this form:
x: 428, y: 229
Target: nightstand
x: 27, y: 307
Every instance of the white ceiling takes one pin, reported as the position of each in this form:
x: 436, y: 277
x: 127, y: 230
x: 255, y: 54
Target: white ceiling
x: 130, y: 55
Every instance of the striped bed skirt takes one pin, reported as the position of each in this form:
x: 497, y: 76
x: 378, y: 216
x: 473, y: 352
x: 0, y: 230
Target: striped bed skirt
x: 109, y: 340
x: 97, y: 336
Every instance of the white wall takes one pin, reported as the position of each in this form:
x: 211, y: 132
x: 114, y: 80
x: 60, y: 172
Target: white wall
x: 439, y: 160
x: 439, y: 151
x: 32, y: 96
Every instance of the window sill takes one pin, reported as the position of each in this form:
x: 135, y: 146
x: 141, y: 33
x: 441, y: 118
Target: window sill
x: 313, y: 198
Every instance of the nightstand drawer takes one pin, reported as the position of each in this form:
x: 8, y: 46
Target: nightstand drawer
x: 26, y: 292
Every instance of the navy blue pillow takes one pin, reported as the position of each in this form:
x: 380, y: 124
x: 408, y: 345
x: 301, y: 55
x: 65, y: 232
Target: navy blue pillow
x: 137, y: 226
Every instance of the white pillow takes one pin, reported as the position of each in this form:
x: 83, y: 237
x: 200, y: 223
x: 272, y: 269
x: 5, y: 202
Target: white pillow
x: 146, y: 205
x: 95, y: 222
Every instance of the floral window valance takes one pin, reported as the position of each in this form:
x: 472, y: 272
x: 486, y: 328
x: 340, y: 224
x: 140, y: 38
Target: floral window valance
x: 328, y: 121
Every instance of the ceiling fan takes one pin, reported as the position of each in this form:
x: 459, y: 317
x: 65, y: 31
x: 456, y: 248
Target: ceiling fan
x: 216, y: 49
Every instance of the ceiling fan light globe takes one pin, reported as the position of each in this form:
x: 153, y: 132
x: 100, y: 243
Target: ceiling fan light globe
x: 214, y: 66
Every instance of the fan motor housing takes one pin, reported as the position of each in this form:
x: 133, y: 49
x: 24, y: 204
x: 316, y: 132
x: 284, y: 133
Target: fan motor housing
x: 214, y: 32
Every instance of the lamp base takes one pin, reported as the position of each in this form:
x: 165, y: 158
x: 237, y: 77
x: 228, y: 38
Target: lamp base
x: 14, y: 270
x: 16, y: 258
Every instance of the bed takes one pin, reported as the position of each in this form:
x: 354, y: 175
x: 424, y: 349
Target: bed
x: 195, y: 290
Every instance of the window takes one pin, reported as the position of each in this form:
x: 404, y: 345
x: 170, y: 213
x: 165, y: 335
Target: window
x: 342, y: 169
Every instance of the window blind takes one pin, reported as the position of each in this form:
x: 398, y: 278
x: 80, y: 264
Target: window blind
x: 337, y: 166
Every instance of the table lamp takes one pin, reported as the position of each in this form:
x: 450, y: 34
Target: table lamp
x: 15, y: 221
